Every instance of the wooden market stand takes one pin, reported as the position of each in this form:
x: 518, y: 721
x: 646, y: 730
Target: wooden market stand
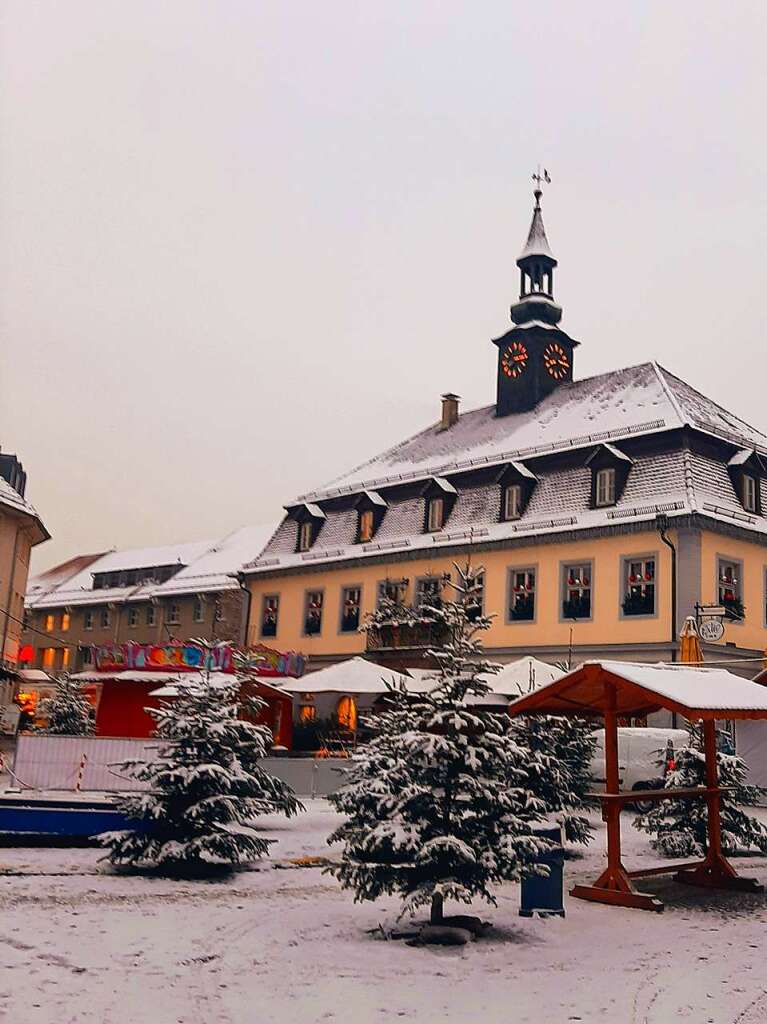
x: 624, y: 689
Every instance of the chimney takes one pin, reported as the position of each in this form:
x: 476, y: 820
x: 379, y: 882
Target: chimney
x: 449, y: 410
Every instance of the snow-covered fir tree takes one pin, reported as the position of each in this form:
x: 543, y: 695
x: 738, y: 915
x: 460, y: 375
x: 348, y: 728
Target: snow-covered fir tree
x: 436, y: 805
x: 679, y: 827
x: 560, y: 774
x: 68, y: 712
x: 207, y: 787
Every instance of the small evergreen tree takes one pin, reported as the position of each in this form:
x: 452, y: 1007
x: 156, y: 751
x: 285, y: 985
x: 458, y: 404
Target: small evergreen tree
x: 68, y: 712
x: 560, y: 774
x: 206, y: 788
x: 679, y: 827
x: 436, y: 805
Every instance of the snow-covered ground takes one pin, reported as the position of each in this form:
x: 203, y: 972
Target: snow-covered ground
x: 265, y: 946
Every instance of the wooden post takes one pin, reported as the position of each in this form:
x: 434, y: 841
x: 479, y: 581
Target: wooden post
x: 713, y: 799
x: 612, y: 777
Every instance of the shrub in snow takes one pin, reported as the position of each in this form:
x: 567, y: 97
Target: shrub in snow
x: 436, y: 804
x: 68, y: 712
x: 678, y: 827
x: 560, y: 774
x: 207, y: 787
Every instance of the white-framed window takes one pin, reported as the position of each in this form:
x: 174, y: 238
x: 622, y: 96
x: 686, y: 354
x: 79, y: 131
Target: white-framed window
x: 173, y: 616
x: 605, y: 487
x: 435, y: 515
x: 151, y: 615
x: 512, y: 501
x: 521, y: 603
x: 313, y: 612
x: 198, y: 610
x: 639, y: 585
x: 428, y: 591
x: 106, y: 618
x: 576, y: 590
x: 749, y: 493
x: 351, y: 602
x: 729, y: 573
x: 87, y: 619
x: 305, y: 535
x: 392, y: 590
x: 270, y: 613
x: 133, y: 617
x: 367, y: 525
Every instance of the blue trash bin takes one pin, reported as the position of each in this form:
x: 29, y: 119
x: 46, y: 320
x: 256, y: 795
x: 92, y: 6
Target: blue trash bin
x: 544, y: 895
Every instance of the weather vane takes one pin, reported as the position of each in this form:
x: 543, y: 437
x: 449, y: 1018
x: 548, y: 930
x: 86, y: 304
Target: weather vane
x: 538, y: 178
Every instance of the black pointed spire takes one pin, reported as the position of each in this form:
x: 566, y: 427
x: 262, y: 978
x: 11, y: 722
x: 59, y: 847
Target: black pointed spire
x: 536, y: 264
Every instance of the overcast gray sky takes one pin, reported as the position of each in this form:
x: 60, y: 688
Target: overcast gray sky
x: 244, y: 245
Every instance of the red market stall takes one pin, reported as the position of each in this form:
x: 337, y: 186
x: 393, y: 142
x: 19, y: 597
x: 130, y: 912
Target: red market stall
x: 130, y: 678
x: 617, y: 689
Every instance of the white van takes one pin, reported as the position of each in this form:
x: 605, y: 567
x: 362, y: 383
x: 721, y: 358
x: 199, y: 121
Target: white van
x: 644, y: 756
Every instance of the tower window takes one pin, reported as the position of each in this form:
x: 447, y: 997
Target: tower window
x: 173, y: 617
x: 749, y: 493
x: 367, y: 525
x: 270, y: 613
x: 88, y: 619
x: 66, y: 620
x: 313, y: 612
x: 133, y: 617
x: 605, y: 487
x: 49, y: 623
x: 435, y: 517
x: 151, y: 615
x: 512, y: 501
x: 351, y: 599
x: 521, y: 595
x: 106, y: 618
x: 197, y: 610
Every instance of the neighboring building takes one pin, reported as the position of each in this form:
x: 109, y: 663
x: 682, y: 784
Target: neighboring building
x: 560, y: 490
x: 147, y: 595
x: 20, y: 530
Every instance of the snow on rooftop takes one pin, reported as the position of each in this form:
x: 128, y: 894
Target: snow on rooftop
x: 207, y: 565
x: 633, y: 401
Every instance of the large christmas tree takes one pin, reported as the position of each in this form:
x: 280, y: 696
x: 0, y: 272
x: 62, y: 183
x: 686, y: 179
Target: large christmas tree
x: 436, y: 805
x: 68, y: 712
x: 679, y: 827
x: 207, y: 787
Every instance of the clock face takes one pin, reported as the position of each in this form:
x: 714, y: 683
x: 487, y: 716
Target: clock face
x: 514, y: 360
x: 556, y: 361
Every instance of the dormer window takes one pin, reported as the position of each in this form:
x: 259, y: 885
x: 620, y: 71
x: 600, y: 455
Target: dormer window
x: 435, y: 518
x: 747, y: 469
x: 749, y: 493
x: 305, y: 535
x: 512, y: 501
x: 440, y: 497
x: 610, y: 468
x: 309, y: 519
x: 605, y: 488
x: 371, y: 508
x: 367, y: 525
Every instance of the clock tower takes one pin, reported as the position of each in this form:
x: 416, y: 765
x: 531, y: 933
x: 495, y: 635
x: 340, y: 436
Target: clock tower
x: 536, y: 355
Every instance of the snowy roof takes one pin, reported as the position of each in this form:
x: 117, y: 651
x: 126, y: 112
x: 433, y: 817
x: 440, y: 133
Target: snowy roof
x: 637, y: 400
x: 537, y: 243
x: 207, y: 566
x: 11, y: 499
x: 521, y: 676
x: 356, y: 675
x: 694, y: 692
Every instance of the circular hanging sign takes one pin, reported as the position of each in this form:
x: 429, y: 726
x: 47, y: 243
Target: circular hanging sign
x: 711, y: 630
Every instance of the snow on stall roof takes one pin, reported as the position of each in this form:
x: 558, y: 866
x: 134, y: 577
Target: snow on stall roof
x: 356, y: 675
x: 691, y: 688
x: 632, y: 401
x: 521, y: 676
